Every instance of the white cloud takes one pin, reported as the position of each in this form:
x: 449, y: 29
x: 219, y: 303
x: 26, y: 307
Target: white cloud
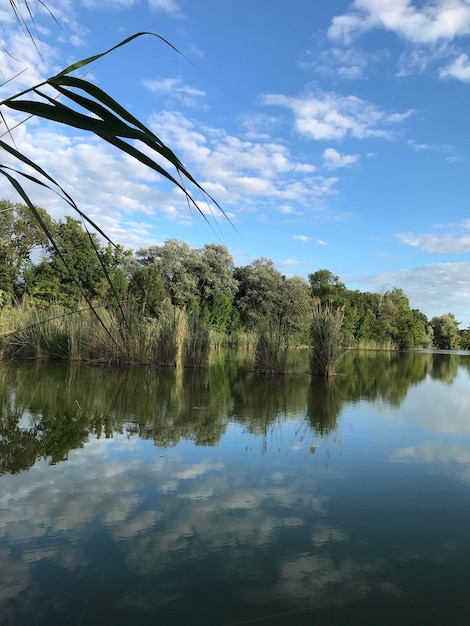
x: 320, y: 242
x: 436, y: 244
x: 459, y: 69
x: 112, y: 189
x: 174, y: 87
x: 434, y: 289
x: 440, y: 243
x: 289, y: 262
x: 430, y: 23
x: 344, y: 63
x: 170, y: 7
x: 417, y: 59
x: 328, y: 116
x: 25, y: 64
x: 252, y: 171
x: 302, y: 238
x: 287, y: 209
x: 109, y: 4
x: 334, y: 160
x: 165, y: 6
x: 444, y: 149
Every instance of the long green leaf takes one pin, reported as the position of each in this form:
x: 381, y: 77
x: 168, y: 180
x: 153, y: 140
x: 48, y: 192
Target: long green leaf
x: 55, y: 185
x: 110, y: 132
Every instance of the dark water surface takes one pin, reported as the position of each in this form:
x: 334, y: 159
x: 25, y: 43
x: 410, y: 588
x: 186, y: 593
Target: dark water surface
x: 223, y: 498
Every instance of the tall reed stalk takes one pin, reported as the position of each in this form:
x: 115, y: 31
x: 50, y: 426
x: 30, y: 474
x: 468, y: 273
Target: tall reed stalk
x: 196, y: 343
x: 272, y: 349
x: 325, y: 338
x: 168, y: 338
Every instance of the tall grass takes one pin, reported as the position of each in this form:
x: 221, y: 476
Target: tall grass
x: 368, y: 344
x: 40, y: 334
x: 168, y: 339
x: 325, y: 338
x: 196, y: 342
x: 272, y: 349
x: 58, y: 334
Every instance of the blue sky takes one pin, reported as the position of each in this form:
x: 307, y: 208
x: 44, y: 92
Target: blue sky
x: 333, y: 134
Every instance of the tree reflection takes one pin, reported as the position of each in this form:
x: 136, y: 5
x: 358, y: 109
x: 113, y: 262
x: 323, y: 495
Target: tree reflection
x: 324, y: 405
x: 49, y: 410
x: 446, y: 367
x: 383, y: 375
x: 258, y: 401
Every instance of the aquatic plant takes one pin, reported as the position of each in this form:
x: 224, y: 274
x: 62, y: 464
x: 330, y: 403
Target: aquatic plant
x: 326, y: 338
x: 271, y: 348
x: 168, y: 338
x: 196, y: 342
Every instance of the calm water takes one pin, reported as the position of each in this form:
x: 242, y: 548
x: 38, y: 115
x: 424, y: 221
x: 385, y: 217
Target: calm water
x: 223, y: 498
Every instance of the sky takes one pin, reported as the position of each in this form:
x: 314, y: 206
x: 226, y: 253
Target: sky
x: 334, y: 135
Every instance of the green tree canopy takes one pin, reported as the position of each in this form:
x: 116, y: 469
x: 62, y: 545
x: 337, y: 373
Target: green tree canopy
x: 20, y: 234
x: 446, y: 332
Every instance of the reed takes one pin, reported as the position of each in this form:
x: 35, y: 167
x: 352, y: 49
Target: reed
x: 325, y: 339
x: 36, y: 333
x: 375, y: 345
x: 56, y: 333
x: 196, y: 343
x: 271, y: 349
x: 168, y: 338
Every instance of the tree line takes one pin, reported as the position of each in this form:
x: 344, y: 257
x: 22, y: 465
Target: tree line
x: 204, y: 280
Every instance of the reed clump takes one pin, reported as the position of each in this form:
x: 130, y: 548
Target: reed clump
x: 196, y: 343
x: 376, y: 345
x: 168, y: 338
x: 326, y: 338
x: 271, y: 349
x: 115, y: 337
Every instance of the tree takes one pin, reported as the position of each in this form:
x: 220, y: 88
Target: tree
x: 80, y: 104
x: 176, y: 263
x: 20, y: 234
x: 260, y: 294
x: 327, y: 287
x: 446, y: 332
x: 148, y: 287
x: 216, y: 285
x: 465, y: 339
x: 73, y: 267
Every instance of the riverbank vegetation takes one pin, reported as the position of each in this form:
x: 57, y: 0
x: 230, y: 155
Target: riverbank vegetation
x: 164, y: 303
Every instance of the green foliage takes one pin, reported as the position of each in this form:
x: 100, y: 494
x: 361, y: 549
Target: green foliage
x: 326, y: 339
x: 20, y: 234
x: 190, y: 277
x: 167, y: 341
x: 272, y: 349
x: 465, y: 339
x: 73, y: 267
x: 231, y: 301
x: 196, y: 342
x: 86, y: 107
x: 266, y: 296
x: 446, y: 332
x: 326, y: 287
x: 80, y: 104
x: 147, y: 286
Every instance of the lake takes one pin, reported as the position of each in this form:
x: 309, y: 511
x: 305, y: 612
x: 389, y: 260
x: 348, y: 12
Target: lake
x: 219, y: 497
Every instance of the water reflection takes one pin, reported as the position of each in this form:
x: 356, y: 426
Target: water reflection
x: 48, y: 410
x: 147, y: 499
